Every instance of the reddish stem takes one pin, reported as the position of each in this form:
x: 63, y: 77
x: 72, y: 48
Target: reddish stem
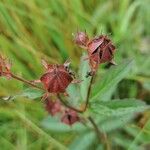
x: 88, y: 93
x: 100, y: 135
x: 69, y: 106
x: 86, y: 101
x: 26, y: 81
x: 64, y: 103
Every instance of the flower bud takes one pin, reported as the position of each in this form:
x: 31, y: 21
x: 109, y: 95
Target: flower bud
x: 100, y: 50
x: 56, y: 79
x: 70, y: 117
x: 81, y: 39
x: 53, y: 107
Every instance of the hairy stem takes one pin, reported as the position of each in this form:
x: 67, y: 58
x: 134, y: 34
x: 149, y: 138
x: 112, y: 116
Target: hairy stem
x: 26, y: 81
x: 86, y: 101
x: 69, y: 106
x: 88, y: 93
x: 101, y: 136
x: 63, y: 102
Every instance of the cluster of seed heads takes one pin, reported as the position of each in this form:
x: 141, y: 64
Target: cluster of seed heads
x: 58, y: 77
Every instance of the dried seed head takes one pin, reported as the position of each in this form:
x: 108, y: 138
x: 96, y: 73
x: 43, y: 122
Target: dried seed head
x: 81, y: 39
x: 100, y: 50
x: 5, y: 67
x: 95, y: 43
x: 53, y: 107
x: 56, y: 79
x: 70, y: 117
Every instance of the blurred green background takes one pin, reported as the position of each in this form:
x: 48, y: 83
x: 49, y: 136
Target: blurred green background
x: 34, y: 29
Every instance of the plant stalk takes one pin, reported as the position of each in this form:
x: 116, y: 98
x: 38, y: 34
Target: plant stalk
x: 86, y: 101
x: 101, y: 136
x: 26, y: 81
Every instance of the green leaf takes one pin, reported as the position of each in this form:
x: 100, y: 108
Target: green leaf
x: 114, y: 122
x: 74, y: 95
x: 84, y: 68
x: 118, y: 107
x: 122, y: 103
x: 29, y: 93
x: 108, y: 83
x: 83, y: 142
x: 116, y: 113
x: 55, y: 125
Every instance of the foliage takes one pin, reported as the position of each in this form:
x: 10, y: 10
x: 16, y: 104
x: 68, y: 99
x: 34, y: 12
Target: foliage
x: 35, y: 29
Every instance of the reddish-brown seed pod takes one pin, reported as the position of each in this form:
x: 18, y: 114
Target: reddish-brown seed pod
x: 53, y: 107
x: 57, y: 78
x: 81, y: 39
x: 5, y: 67
x: 100, y: 50
x: 94, y: 44
x: 70, y: 117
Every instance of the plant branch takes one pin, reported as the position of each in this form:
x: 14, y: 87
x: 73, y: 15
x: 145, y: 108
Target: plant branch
x: 64, y: 103
x: 101, y: 136
x: 88, y: 93
x: 26, y: 81
x: 69, y: 106
x: 86, y: 101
